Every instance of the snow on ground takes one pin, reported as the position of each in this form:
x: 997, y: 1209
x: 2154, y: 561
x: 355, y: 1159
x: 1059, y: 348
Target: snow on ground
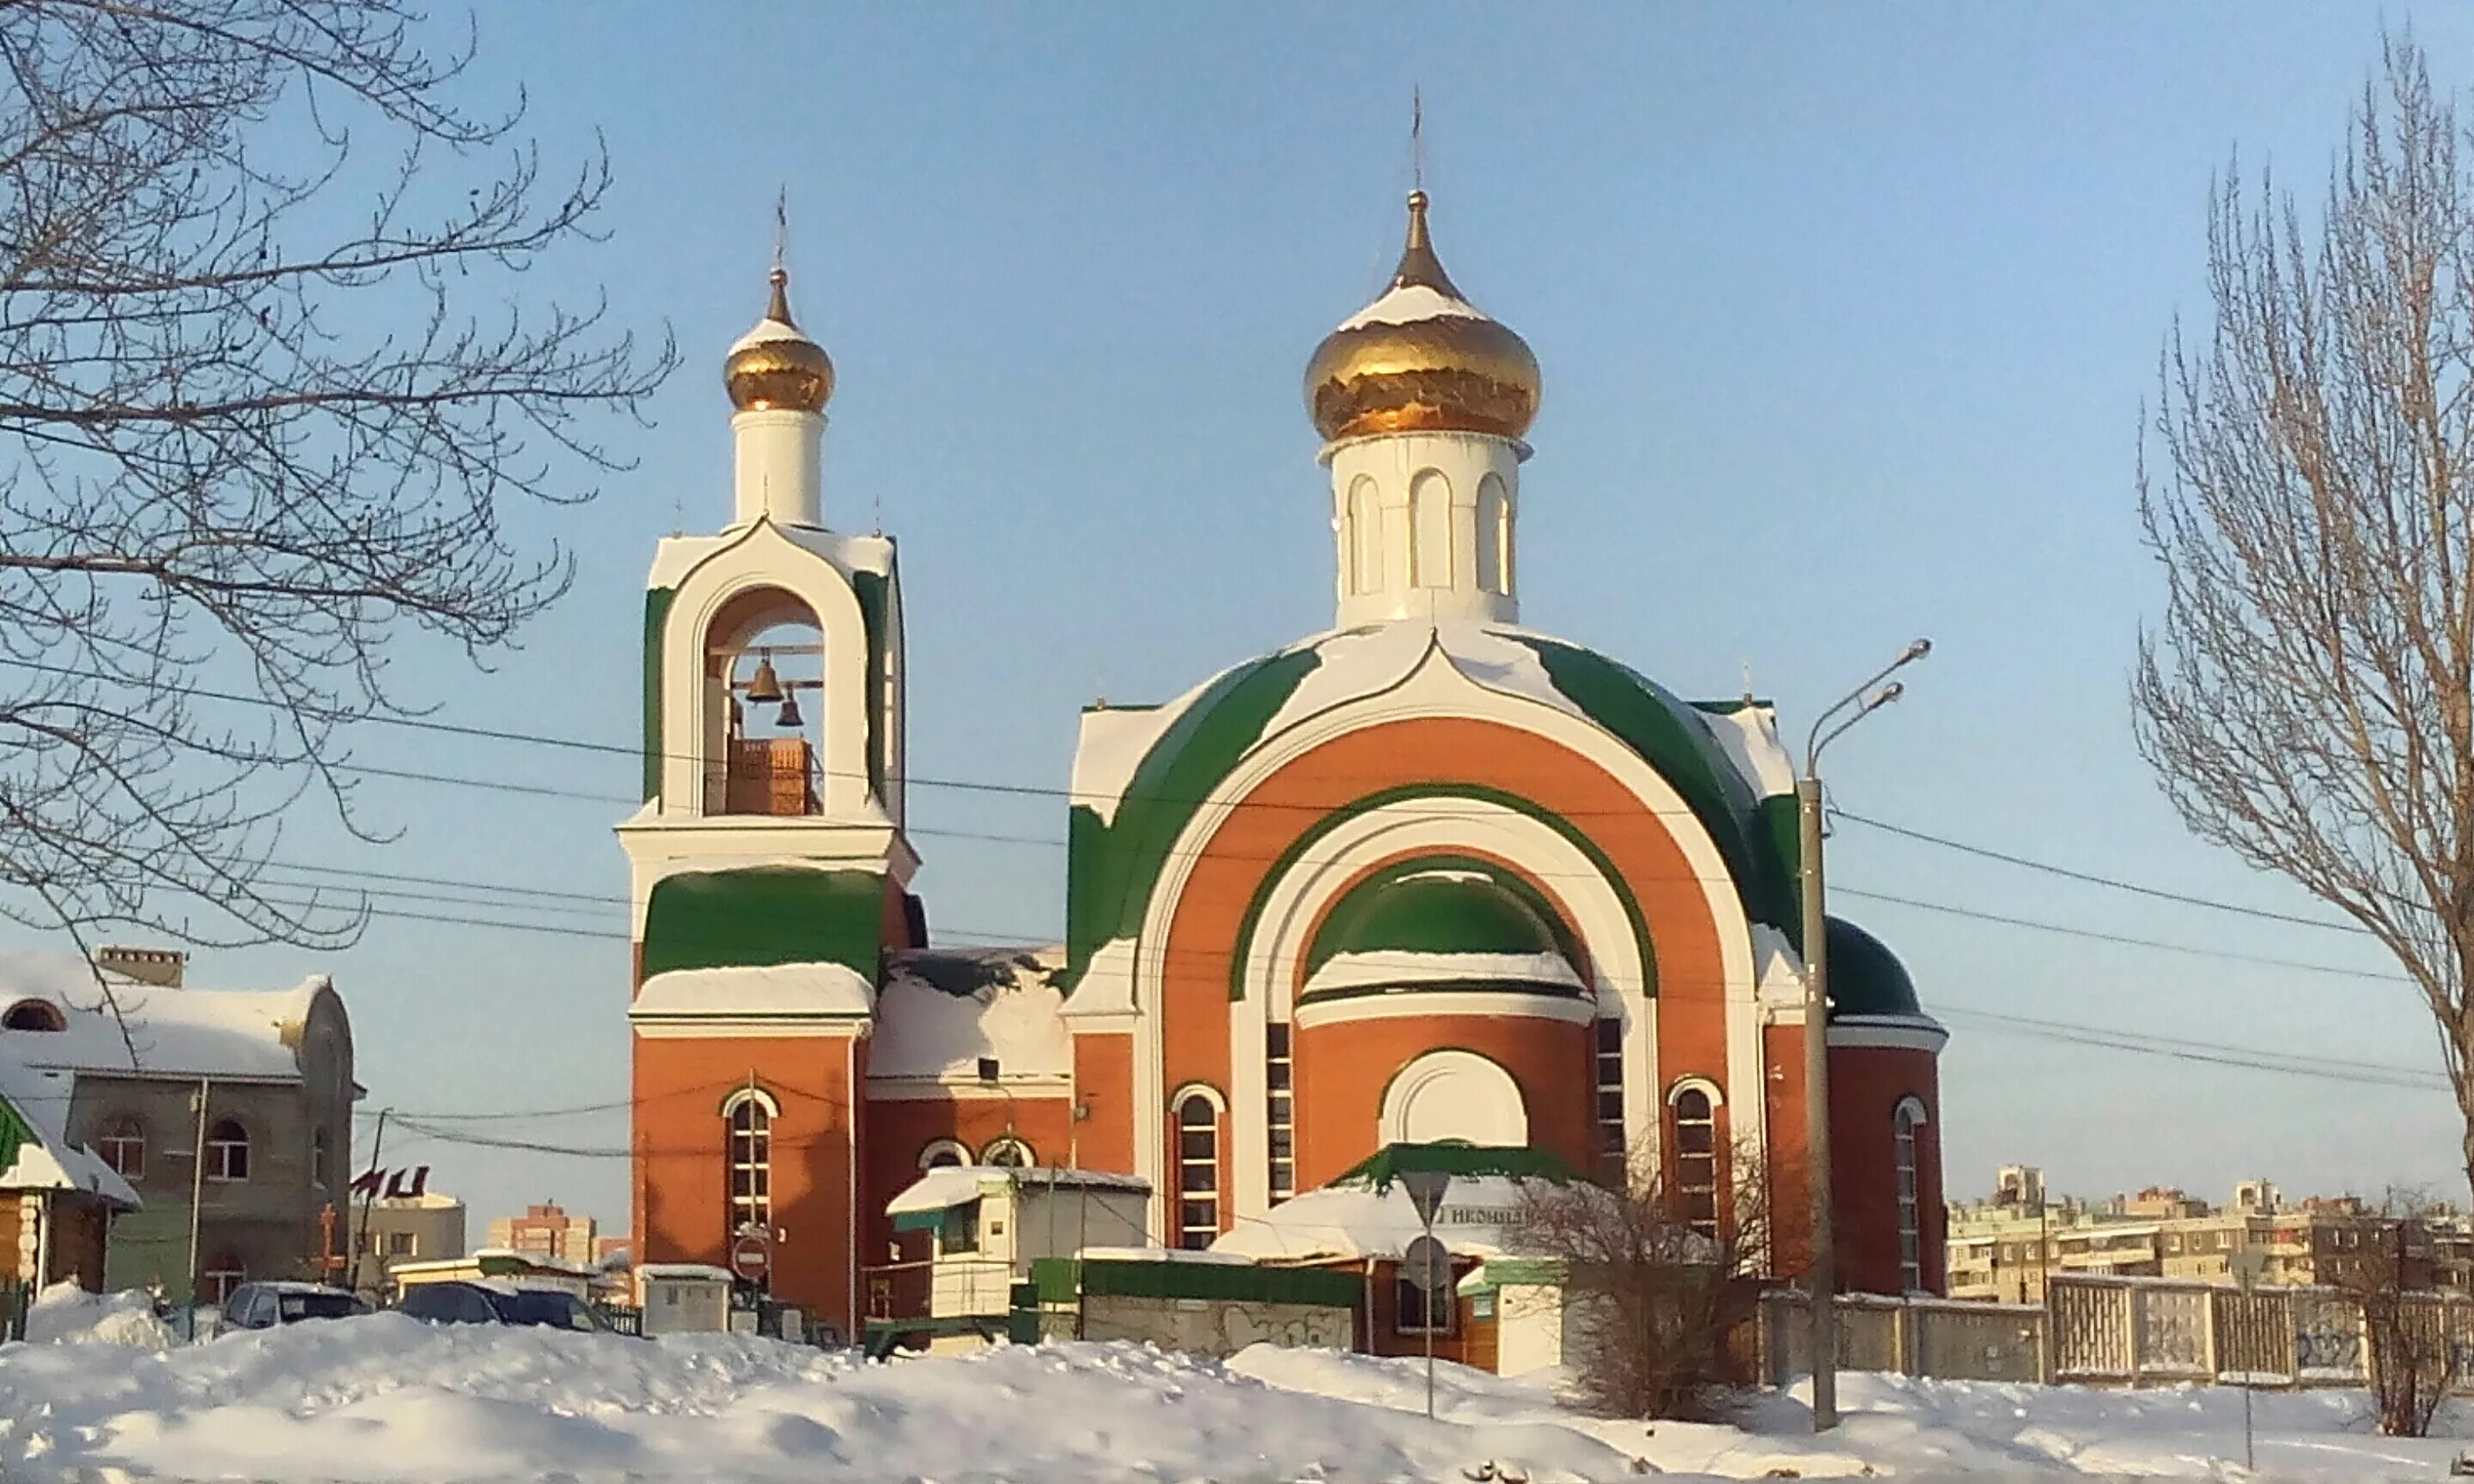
x: 384, y: 1399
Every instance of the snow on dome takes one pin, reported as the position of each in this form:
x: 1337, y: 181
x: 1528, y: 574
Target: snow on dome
x: 1396, y: 971
x: 1409, y: 304
x: 1481, y: 1216
x: 772, y: 992
x: 943, y: 1010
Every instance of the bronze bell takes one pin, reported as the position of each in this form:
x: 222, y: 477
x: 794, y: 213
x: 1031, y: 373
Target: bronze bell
x: 766, y: 687
x: 789, y: 716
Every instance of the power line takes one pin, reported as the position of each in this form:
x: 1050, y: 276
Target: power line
x: 2124, y: 939
x: 2092, y: 878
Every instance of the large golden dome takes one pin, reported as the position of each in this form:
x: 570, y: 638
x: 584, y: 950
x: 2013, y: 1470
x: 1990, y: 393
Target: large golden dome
x: 1421, y: 358
x: 775, y: 366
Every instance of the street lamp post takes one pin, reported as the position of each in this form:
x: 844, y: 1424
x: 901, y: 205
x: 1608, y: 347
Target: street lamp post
x: 1823, y: 1277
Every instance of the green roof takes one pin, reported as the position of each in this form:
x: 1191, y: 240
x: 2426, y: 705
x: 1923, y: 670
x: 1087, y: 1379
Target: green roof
x: 1392, y: 1161
x: 1439, y: 906
x: 1865, y: 977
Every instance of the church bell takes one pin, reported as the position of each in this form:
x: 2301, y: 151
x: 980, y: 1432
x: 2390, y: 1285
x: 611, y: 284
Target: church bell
x: 766, y: 686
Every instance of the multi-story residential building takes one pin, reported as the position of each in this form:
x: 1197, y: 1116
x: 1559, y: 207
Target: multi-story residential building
x: 394, y: 1230
x: 243, y: 1097
x: 2004, y: 1248
x: 548, y: 1231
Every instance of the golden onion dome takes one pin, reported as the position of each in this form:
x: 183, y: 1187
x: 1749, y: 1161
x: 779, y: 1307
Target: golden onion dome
x: 775, y: 366
x: 1421, y: 358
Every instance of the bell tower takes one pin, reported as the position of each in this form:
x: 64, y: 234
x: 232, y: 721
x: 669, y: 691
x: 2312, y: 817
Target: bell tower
x: 770, y: 870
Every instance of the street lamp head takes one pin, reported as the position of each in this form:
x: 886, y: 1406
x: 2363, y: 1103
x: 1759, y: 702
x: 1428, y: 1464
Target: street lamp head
x: 1885, y: 695
x: 1916, y: 651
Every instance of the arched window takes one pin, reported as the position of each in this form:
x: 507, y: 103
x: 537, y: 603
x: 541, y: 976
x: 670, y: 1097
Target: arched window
x: 1007, y: 1154
x: 1365, y: 537
x: 123, y: 1146
x: 1430, y: 531
x: 749, y: 1116
x: 228, y: 1151
x: 1696, y: 1160
x: 33, y: 1015
x: 1493, y: 535
x: 940, y: 1153
x: 1197, y: 1170
x: 1904, y: 1120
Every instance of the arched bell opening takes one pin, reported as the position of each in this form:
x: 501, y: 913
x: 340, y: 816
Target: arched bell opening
x: 765, y: 690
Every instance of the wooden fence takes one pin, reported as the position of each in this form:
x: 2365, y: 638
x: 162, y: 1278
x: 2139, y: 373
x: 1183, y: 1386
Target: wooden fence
x: 2110, y: 1331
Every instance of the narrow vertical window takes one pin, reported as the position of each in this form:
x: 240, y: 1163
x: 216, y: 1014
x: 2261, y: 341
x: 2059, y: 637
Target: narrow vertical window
x: 1902, y: 1155
x: 751, y: 1162
x: 1613, y: 1146
x: 1197, y: 1172
x: 1430, y: 531
x: 1696, y: 1161
x: 1281, y: 1109
x: 1493, y: 535
x: 1365, y: 537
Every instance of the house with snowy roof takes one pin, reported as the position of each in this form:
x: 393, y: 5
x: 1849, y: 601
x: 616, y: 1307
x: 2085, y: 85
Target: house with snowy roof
x: 58, y: 1197
x: 1426, y: 878
x: 245, y: 1095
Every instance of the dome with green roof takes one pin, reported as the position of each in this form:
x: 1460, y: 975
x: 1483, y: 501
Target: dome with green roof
x: 1866, y: 978
x: 1442, y: 923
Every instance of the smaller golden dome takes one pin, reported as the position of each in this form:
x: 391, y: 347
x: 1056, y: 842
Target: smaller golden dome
x: 774, y: 366
x: 1421, y: 358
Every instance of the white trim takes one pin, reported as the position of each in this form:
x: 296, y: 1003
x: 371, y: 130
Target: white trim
x: 1218, y: 1100
x: 1436, y: 690
x: 1911, y: 1105
x: 1426, y: 1004
x: 999, y: 1144
x: 1716, y: 1094
x: 1496, y: 1101
x: 847, y: 1028
x: 961, y: 1152
x: 1297, y: 901
x: 739, y: 1096
x: 1889, y: 1032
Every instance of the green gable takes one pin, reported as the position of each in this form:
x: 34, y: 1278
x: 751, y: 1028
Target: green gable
x: 766, y: 915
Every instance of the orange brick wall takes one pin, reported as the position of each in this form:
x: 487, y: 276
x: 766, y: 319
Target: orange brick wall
x: 681, y: 1206
x: 1343, y: 1069
x: 1104, y: 1083
x: 1202, y: 931
x: 1866, y: 1085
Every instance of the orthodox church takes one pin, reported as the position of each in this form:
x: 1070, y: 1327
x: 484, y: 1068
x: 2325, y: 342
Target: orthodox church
x: 1426, y: 878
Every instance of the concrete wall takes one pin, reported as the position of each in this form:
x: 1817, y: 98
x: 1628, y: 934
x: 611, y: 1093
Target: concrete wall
x: 1213, y: 1326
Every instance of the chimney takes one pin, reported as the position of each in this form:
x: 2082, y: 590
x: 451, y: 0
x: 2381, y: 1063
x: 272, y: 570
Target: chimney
x: 157, y: 967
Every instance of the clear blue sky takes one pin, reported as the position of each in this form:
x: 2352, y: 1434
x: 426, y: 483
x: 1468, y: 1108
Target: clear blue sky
x: 1846, y: 316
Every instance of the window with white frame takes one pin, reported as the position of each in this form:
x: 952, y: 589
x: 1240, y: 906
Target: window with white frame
x: 1903, y: 1123
x: 1279, y: 1069
x: 1696, y: 1160
x: 227, y: 1151
x: 1612, y: 1150
x: 1197, y: 1171
x: 940, y: 1153
x: 1008, y: 1153
x: 750, y: 1119
x: 123, y: 1147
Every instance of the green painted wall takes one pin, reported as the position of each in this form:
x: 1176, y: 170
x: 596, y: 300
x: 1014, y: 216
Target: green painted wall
x: 876, y: 597
x: 1110, y: 867
x: 657, y: 612
x: 766, y: 915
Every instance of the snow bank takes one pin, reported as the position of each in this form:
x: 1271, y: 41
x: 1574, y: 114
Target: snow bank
x: 66, y: 1315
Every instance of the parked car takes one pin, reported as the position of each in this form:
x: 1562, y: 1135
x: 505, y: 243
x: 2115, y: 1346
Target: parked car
x: 491, y: 1303
x: 273, y: 1305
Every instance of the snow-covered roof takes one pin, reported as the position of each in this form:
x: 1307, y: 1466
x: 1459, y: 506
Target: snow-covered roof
x: 699, y: 1271
x: 770, y: 991
x: 943, y: 1010
x: 960, y: 1185
x: 48, y: 1160
x: 1480, y: 1216
x: 679, y: 555
x: 232, y: 1033
x: 1409, y: 303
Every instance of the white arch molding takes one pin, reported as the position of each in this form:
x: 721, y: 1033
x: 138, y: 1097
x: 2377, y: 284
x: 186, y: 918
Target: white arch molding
x: 1439, y: 691
x: 1453, y: 1096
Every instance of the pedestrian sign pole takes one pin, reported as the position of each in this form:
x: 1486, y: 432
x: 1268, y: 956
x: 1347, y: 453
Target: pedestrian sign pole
x: 2248, y: 1265
x: 1426, y: 1264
